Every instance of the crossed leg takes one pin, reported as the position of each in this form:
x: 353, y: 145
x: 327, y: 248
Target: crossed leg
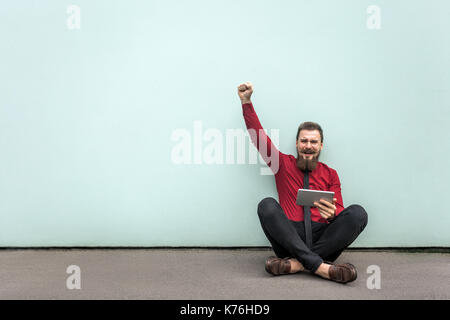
x: 287, y: 242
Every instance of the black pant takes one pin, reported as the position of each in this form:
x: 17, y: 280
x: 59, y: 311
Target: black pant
x: 329, y: 240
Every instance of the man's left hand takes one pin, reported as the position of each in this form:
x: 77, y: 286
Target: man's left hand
x: 327, y: 210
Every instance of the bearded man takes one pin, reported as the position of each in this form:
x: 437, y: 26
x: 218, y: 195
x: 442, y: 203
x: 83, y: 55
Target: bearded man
x: 303, y: 238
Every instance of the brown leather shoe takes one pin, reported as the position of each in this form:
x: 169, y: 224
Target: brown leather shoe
x: 342, y: 273
x: 277, y: 266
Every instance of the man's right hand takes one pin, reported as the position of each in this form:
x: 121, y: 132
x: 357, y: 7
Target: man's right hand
x: 245, y: 91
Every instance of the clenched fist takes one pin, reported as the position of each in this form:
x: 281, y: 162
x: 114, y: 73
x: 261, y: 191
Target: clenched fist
x: 245, y: 91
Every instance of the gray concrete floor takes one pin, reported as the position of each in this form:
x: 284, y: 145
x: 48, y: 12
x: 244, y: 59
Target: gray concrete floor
x: 211, y: 274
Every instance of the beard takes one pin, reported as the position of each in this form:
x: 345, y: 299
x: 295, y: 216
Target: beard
x: 307, y: 164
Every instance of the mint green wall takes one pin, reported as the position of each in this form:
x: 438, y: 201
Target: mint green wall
x: 87, y: 116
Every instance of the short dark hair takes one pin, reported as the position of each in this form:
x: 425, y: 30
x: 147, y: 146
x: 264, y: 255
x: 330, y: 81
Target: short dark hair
x: 308, y: 125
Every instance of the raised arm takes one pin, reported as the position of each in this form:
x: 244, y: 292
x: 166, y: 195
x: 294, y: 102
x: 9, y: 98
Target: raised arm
x: 266, y: 148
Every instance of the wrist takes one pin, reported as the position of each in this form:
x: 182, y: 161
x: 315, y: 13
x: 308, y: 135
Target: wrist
x: 246, y: 101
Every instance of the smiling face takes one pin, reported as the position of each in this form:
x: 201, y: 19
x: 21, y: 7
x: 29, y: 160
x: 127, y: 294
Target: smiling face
x: 309, y: 144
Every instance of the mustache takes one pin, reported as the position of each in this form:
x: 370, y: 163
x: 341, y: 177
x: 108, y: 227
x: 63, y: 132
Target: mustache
x: 307, y: 164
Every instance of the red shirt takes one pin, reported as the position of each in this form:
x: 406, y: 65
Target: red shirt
x: 288, y: 177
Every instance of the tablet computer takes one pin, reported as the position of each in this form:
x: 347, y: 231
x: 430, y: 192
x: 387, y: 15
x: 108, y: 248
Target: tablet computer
x: 307, y: 197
